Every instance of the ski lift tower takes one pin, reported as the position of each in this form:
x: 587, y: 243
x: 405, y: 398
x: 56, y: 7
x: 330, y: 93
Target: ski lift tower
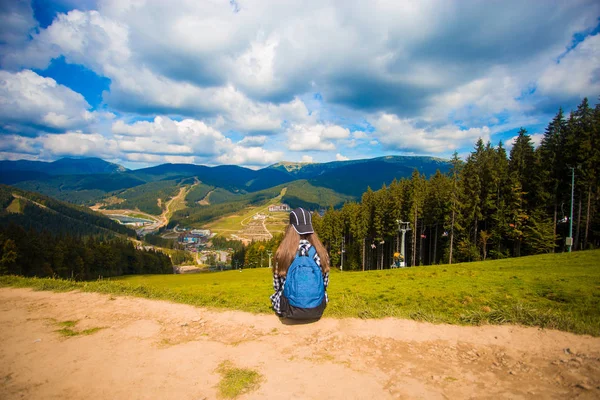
x: 403, y: 227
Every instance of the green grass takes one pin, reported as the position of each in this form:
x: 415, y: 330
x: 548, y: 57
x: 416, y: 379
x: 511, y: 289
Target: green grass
x: 237, y: 221
x: 67, y: 330
x: 560, y: 291
x: 236, y: 381
x: 15, y: 207
x: 67, y: 324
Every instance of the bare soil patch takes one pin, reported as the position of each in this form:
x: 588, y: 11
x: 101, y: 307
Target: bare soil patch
x: 156, y: 349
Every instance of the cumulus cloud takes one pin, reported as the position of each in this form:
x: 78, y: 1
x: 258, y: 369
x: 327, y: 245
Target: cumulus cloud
x: 106, y: 46
x: 366, y: 57
x: 478, y: 101
x: 340, y: 157
x: 18, y: 145
x: 315, y: 137
x: 577, y: 73
x: 360, y: 135
x: 79, y: 144
x: 252, y: 141
x: 166, y: 136
x: 402, y: 134
x: 250, y: 156
x: 30, y: 103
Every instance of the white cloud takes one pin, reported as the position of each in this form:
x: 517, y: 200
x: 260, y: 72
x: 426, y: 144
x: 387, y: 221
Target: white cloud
x: 307, y: 159
x: 577, y: 73
x: 536, y: 138
x: 19, y: 145
x: 168, y: 137
x: 200, y: 57
x: 103, y: 44
x: 30, y: 103
x: 360, y: 135
x: 401, y: 134
x: 79, y: 144
x: 315, y: 137
x: 340, y: 157
x: 252, y: 141
x: 250, y: 156
x: 477, y: 101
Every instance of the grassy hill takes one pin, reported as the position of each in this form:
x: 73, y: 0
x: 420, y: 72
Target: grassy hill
x: 34, y: 211
x: 224, y: 204
x: 554, y: 291
x: 303, y: 193
x: 146, y: 197
x: 80, y: 189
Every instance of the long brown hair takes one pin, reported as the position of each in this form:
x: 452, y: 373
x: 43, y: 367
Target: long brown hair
x: 289, y: 247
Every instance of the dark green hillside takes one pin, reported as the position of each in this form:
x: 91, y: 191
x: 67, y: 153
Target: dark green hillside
x: 34, y: 211
x: 219, y: 196
x: 145, y: 197
x: 197, y: 193
x: 9, y: 177
x: 229, y: 177
x: 426, y: 165
x: 80, y: 189
x: 170, y: 171
x: 302, y: 193
x: 354, y: 178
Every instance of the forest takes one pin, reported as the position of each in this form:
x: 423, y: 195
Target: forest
x: 39, y: 253
x: 492, y: 205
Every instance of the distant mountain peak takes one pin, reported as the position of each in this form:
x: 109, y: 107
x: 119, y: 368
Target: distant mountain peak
x: 290, y: 166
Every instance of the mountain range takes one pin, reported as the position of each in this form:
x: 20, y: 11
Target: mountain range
x: 92, y: 180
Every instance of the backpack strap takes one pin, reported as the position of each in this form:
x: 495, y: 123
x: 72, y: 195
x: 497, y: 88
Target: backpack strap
x: 312, y: 251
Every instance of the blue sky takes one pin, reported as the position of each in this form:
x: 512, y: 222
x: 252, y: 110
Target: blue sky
x: 256, y: 82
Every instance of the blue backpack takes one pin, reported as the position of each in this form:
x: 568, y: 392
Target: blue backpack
x: 304, y: 287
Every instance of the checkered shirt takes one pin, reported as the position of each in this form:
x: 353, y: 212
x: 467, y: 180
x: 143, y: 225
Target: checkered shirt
x: 279, y: 281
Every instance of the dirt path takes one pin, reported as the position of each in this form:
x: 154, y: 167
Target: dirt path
x: 205, y: 201
x: 159, y: 350
x: 163, y: 219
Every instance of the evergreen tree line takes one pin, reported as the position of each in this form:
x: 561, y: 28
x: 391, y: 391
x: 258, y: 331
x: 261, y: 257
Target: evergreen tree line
x: 34, y: 253
x: 256, y: 254
x: 492, y: 205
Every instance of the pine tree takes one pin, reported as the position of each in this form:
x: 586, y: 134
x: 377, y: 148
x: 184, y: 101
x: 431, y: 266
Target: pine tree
x: 552, y: 160
x: 499, y: 218
x: 452, y: 223
x: 418, y: 193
